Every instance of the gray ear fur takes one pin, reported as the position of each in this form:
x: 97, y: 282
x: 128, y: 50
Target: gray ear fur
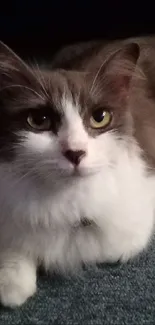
x: 117, y: 71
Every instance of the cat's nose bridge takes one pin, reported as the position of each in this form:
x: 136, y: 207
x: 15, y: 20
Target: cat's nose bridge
x: 72, y: 134
x: 74, y: 140
x: 74, y: 143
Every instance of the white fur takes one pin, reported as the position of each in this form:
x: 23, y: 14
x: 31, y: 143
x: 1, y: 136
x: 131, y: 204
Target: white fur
x: 41, y: 210
x: 17, y: 280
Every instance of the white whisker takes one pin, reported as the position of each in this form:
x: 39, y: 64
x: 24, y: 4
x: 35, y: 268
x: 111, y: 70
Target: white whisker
x: 24, y: 87
x: 96, y: 76
x: 40, y: 78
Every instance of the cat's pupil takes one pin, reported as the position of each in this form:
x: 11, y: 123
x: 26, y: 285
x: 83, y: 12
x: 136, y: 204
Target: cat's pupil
x: 39, y: 120
x: 98, y: 115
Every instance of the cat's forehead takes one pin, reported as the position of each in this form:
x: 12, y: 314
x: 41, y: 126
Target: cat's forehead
x: 79, y: 88
x: 48, y: 89
x: 53, y: 89
x: 67, y: 85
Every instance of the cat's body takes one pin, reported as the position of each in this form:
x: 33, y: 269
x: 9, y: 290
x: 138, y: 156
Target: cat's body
x: 76, y: 183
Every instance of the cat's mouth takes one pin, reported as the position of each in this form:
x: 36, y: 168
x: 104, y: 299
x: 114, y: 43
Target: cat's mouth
x: 79, y: 171
x: 83, y: 172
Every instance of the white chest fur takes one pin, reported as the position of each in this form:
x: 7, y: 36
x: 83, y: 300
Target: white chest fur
x: 119, y: 204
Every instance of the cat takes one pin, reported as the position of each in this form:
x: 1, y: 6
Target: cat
x: 77, y: 162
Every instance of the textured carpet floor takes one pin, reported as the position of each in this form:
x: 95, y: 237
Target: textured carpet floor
x: 110, y: 295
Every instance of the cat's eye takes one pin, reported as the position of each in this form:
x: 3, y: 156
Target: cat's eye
x: 39, y: 121
x: 100, y: 118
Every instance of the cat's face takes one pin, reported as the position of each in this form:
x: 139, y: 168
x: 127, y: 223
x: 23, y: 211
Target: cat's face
x: 59, y: 125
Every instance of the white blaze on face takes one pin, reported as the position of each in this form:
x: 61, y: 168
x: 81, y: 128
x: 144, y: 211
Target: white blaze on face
x: 72, y: 134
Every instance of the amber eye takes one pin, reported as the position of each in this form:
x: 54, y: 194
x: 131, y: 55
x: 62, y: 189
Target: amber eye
x: 100, y: 118
x: 39, y: 121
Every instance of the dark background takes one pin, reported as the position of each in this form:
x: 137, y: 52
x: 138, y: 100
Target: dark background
x: 37, y: 28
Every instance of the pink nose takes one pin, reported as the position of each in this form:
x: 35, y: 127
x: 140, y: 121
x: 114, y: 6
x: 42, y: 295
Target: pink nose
x: 74, y: 156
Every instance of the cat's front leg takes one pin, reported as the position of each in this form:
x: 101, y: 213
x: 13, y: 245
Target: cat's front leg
x: 17, y: 279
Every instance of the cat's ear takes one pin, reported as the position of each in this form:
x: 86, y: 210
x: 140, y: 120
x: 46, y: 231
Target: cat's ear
x: 12, y: 69
x: 117, y: 71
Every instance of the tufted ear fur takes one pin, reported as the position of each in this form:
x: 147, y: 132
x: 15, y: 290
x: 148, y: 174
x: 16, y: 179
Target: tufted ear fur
x: 14, y: 72
x: 11, y: 65
x: 116, y: 72
x: 18, y: 82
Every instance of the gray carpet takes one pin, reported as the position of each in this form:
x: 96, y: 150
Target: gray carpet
x: 110, y: 294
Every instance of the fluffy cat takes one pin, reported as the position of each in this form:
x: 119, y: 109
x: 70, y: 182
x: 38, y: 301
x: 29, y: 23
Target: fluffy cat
x: 76, y: 163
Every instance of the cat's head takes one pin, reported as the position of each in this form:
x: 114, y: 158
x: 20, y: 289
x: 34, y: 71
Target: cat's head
x: 64, y: 124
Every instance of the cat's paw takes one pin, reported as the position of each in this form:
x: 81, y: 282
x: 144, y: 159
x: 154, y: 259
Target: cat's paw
x: 17, y: 282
